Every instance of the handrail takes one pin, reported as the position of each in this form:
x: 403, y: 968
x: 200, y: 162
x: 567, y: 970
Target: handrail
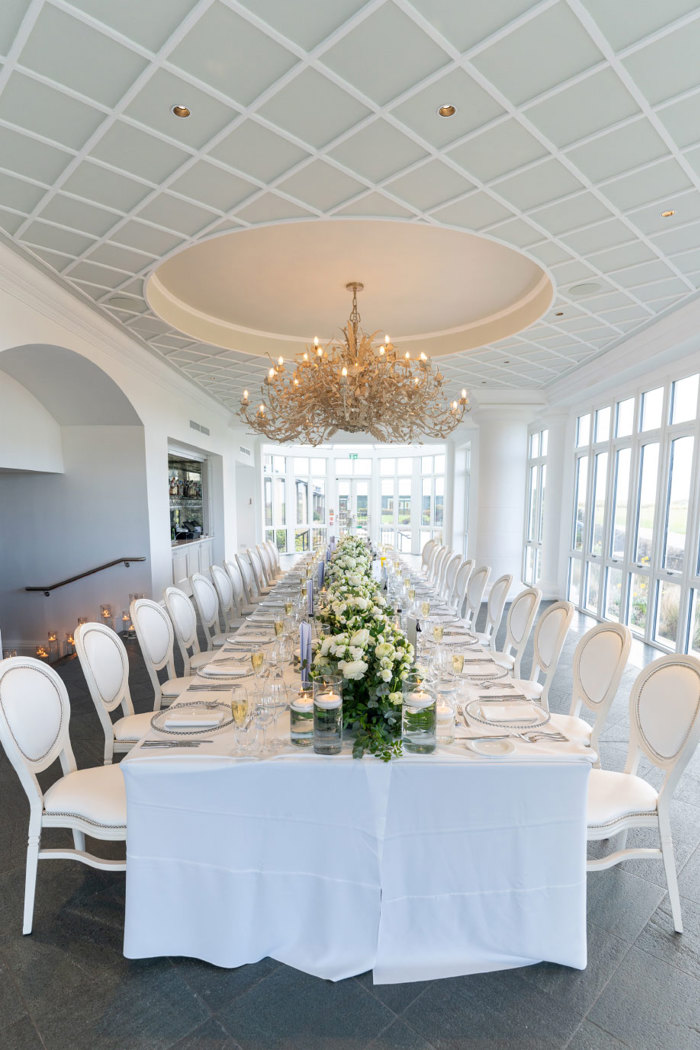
x: 81, y: 576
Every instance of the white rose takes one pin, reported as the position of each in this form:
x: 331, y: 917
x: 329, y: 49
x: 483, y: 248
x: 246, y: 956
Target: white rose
x: 360, y: 637
x: 353, y: 669
x: 385, y: 674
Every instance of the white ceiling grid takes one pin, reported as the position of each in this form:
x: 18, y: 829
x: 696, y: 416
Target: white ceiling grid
x: 576, y: 126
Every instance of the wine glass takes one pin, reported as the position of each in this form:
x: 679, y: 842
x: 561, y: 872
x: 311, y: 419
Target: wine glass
x: 265, y: 715
x: 242, y: 714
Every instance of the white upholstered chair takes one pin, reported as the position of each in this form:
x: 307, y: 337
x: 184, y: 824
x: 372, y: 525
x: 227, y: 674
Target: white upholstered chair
x: 224, y: 590
x: 184, y: 620
x: 207, y: 602
x: 105, y: 665
x: 521, y: 616
x: 34, y: 717
x: 239, y: 596
x: 475, y: 592
x: 425, y: 555
x: 252, y: 595
x: 495, y: 605
x: 154, y: 630
x: 449, y: 575
x: 459, y: 591
x: 257, y: 569
x: 665, y: 729
x: 599, y: 661
x: 547, y: 643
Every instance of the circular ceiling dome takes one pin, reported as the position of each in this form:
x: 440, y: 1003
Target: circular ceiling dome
x: 271, y: 289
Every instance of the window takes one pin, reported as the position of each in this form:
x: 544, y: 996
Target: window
x: 635, y: 533
x: 534, y: 513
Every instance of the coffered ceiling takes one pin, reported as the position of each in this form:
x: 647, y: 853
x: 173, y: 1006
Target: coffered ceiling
x: 576, y: 128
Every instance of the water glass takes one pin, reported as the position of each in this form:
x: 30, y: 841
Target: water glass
x: 445, y: 720
x: 328, y: 715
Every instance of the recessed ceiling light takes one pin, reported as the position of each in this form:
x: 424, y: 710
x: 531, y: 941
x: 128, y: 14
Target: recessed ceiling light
x: 180, y: 111
x: 668, y: 214
x: 122, y: 302
x: 447, y: 111
x: 585, y: 288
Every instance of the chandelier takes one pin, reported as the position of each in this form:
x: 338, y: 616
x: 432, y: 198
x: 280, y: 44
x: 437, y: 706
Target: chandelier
x: 354, y: 384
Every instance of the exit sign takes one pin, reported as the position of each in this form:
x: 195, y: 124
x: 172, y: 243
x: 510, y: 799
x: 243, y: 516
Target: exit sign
x: 353, y: 455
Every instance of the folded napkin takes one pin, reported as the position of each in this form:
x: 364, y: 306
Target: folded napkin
x: 483, y: 670
x: 515, y: 711
x: 254, y: 639
x: 190, y: 719
x: 223, y: 669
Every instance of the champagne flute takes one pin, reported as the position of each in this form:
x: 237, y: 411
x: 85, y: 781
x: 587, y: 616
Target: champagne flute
x: 425, y: 609
x: 257, y: 659
x: 241, y: 713
x: 438, y: 633
x: 457, y: 663
x: 279, y: 627
x: 288, y: 606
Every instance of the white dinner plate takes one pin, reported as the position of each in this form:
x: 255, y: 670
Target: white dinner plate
x: 492, y: 748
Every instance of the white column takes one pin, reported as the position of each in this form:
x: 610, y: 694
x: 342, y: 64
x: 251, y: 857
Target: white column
x: 500, y: 492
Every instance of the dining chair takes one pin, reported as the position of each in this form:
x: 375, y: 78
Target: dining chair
x: 434, y: 555
x: 436, y: 567
x: 426, y: 570
x: 459, y: 592
x: 239, y: 597
x: 449, y: 575
x: 521, y: 616
x: 184, y: 620
x: 495, y: 604
x: 665, y: 730
x: 599, y: 661
x: 224, y: 591
x: 34, y: 718
x: 252, y: 595
x: 425, y: 555
x: 207, y: 602
x: 154, y: 631
x: 475, y: 592
x: 105, y: 664
x: 275, y: 555
x: 256, y: 567
x: 267, y: 563
x: 548, y: 640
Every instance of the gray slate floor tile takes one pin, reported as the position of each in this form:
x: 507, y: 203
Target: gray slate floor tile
x: 620, y: 902
x: 22, y: 1035
x: 208, y: 1036
x: 658, y: 938
x: 651, y: 1008
x: 591, y: 1037
x: 398, y: 1036
x: 291, y: 1011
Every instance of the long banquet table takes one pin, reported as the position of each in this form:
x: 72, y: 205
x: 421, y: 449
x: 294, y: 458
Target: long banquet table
x: 428, y: 866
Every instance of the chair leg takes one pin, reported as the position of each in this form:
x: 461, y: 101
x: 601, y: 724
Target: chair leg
x: 30, y: 882
x: 671, y: 877
x: 79, y: 840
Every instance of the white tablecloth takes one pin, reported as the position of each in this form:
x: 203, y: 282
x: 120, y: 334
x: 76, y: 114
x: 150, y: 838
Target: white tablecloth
x: 425, y: 867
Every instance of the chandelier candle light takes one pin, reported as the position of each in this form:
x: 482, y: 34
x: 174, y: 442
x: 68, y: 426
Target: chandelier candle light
x: 354, y: 385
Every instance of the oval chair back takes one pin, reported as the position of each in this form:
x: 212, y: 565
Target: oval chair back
x: 449, y: 575
x: 599, y: 661
x: 154, y: 631
x: 475, y: 592
x: 425, y: 554
x: 459, y: 591
x: 224, y: 590
x: 550, y: 634
x: 207, y: 602
x: 521, y: 616
x: 105, y: 664
x: 249, y: 586
x: 494, y: 609
x: 184, y: 620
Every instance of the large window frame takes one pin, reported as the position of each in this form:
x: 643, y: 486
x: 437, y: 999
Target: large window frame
x: 634, y: 552
x: 535, y: 490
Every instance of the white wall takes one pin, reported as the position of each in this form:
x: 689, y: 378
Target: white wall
x: 30, y: 438
x: 59, y: 525
x: 36, y: 311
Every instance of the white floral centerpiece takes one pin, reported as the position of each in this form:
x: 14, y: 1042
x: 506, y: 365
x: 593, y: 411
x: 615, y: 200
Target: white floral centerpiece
x: 364, y: 645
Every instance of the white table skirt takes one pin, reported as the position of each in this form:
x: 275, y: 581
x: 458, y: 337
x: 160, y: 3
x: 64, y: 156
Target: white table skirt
x: 425, y: 867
